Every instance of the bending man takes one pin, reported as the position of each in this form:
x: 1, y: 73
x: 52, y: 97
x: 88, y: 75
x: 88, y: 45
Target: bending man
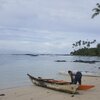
x: 75, y: 77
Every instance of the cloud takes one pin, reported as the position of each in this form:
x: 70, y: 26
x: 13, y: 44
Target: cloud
x: 46, y: 25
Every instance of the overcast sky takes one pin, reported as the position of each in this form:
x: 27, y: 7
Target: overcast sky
x: 46, y: 26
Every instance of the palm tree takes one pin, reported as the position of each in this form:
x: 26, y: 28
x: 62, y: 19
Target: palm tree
x: 98, y: 45
x: 79, y: 42
x: 73, y: 45
x: 97, y: 10
x: 92, y: 41
x: 88, y: 44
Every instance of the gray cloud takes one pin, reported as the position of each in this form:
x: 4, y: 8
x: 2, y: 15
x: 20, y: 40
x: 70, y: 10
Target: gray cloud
x: 49, y: 26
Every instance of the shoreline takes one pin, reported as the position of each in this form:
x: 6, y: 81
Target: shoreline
x: 32, y: 92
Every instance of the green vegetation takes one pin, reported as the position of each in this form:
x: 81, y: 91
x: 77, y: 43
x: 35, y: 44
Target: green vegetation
x: 85, y: 49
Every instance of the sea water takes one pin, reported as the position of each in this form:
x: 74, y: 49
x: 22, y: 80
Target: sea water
x: 14, y: 68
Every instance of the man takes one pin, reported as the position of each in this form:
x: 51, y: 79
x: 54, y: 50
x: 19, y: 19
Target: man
x: 78, y: 77
x: 75, y: 77
x: 72, y: 76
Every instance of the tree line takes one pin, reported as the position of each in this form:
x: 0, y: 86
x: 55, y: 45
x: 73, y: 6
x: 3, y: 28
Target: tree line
x: 84, y: 48
x: 85, y: 44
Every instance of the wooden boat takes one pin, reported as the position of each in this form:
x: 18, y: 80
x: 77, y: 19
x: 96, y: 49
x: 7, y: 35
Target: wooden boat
x: 54, y: 84
x: 59, y: 85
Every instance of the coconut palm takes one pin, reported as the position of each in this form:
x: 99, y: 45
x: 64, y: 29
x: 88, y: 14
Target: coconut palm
x: 98, y: 45
x: 73, y: 45
x: 92, y: 41
x: 79, y: 42
x: 97, y: 10
x: 88, y: 44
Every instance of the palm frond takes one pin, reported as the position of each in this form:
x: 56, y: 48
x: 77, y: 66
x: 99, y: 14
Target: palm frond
x: 96, y: 10
x: 98, y: 5
x: 95, y: 14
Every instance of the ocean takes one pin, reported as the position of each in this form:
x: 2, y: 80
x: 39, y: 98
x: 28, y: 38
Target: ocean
x: 14, y: 67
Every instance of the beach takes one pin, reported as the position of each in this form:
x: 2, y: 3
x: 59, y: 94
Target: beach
x: 33, y: 92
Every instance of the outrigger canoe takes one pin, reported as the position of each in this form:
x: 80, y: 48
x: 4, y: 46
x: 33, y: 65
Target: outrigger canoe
x: 59, y: 85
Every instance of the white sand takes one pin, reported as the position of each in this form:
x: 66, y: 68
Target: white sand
x: 38, y: 93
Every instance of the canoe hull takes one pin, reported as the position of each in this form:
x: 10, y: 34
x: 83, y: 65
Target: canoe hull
x: 59, y: 85
x: 68, y: 88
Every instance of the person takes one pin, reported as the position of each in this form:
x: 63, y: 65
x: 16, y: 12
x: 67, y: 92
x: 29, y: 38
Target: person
x: 78, y: 77
x: 72, y: 75
x: 75, y: 77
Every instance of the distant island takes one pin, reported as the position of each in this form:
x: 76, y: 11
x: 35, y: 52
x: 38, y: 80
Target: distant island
x: 30, y: 54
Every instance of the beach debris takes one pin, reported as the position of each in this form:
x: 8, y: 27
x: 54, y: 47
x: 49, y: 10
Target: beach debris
x: 72, y: 95
x: 2, y: 94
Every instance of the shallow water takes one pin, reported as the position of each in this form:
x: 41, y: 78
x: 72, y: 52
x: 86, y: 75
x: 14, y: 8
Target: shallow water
x: 13, y: 68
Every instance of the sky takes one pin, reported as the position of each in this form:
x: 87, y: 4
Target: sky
x: 46, y: 26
